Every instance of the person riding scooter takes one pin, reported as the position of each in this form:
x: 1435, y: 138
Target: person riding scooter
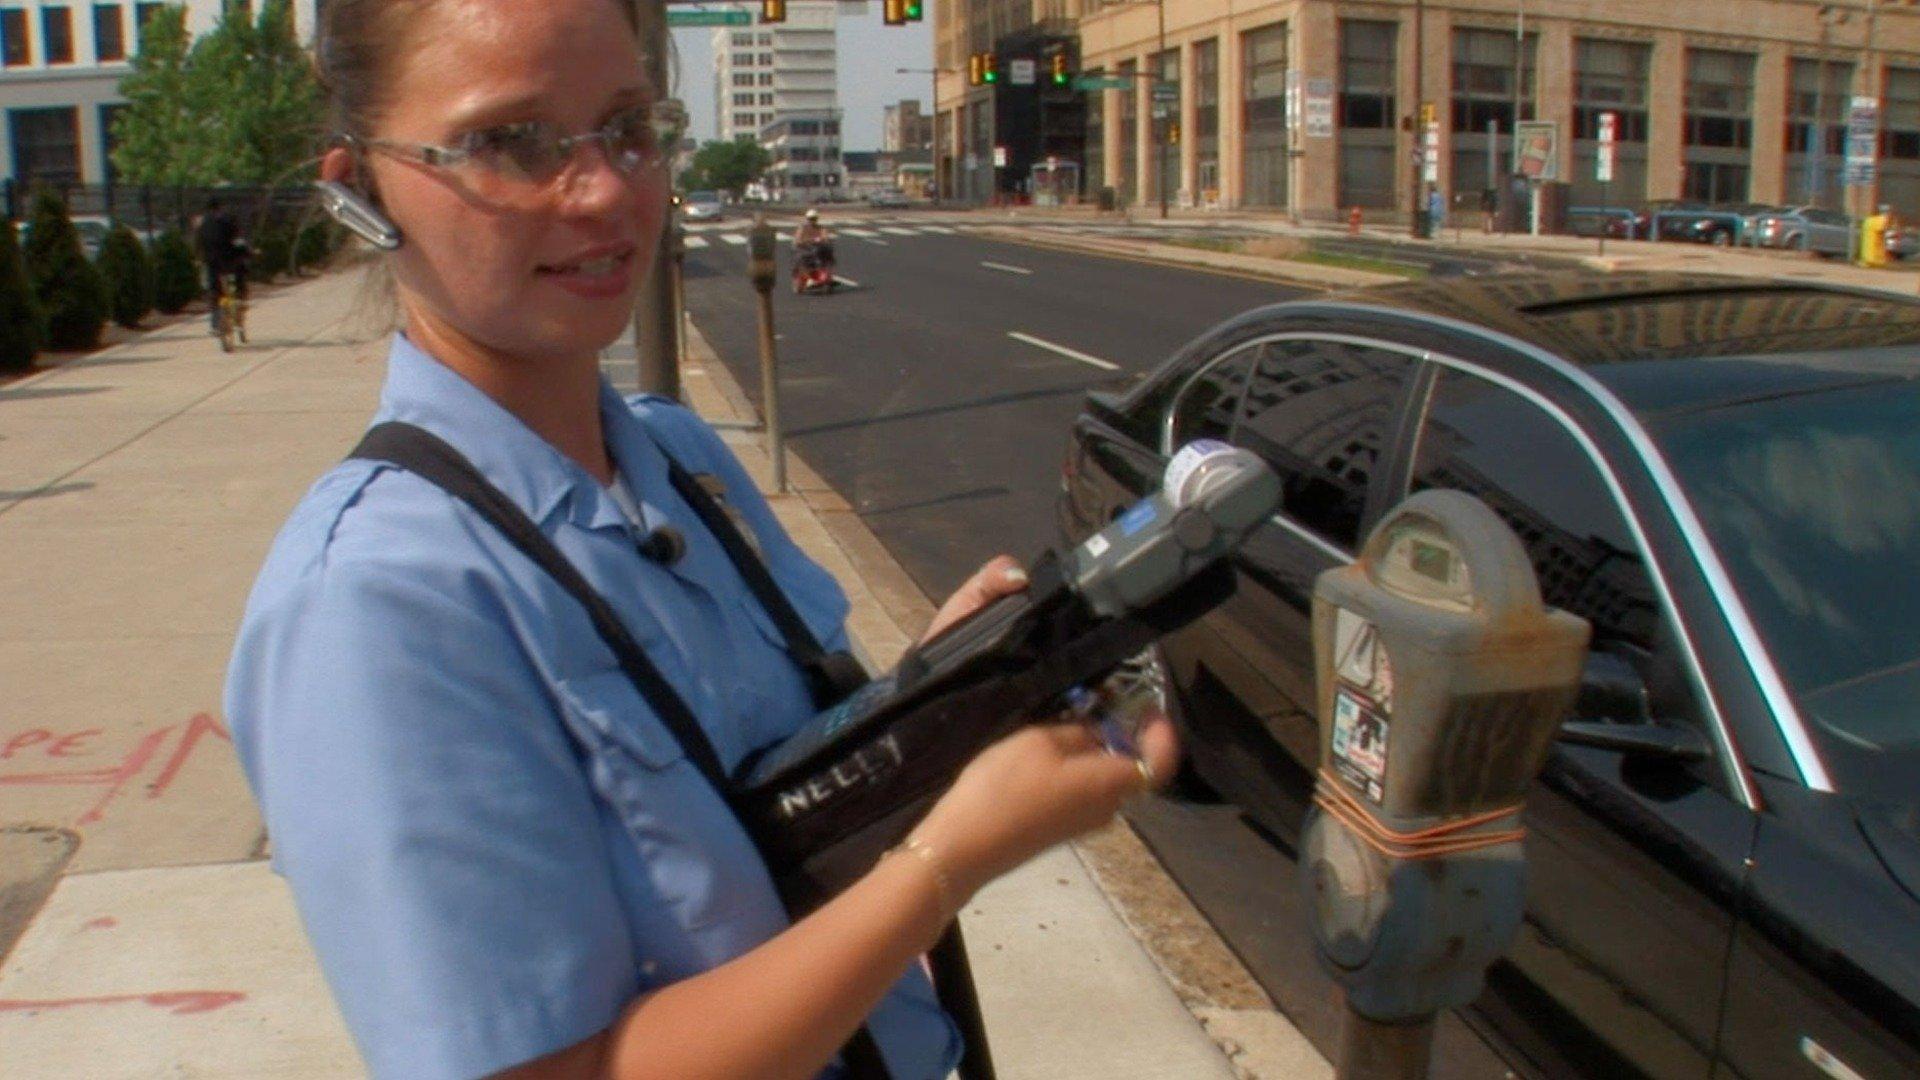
x: 812, y: 243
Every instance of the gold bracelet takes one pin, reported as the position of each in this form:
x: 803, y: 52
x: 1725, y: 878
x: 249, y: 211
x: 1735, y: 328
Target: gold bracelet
x: 919, y: 848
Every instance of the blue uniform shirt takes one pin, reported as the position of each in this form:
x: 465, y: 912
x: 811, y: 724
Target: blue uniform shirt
x: 477, y: 894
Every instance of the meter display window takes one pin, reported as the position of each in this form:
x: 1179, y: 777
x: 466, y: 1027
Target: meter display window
x: 1491, y: 443
x: 1319, y: 412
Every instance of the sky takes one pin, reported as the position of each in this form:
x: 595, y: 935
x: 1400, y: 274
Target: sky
x: 869, y: 52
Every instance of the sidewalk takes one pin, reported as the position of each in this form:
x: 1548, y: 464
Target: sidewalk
x: 139, y: 490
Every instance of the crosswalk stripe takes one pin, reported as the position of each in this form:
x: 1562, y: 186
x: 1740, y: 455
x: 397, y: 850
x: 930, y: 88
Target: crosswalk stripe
x: 695, y: 243
x: 862, y: 233
x: 898, y: 232
x: 735, y: 239
x: 941, y: 229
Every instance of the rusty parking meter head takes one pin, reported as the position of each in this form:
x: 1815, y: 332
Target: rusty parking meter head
x: 1442, y: 679
x: 760, y: 254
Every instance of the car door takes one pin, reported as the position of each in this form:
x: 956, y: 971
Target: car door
x: 1633, y: 866
x: 1319, y: 409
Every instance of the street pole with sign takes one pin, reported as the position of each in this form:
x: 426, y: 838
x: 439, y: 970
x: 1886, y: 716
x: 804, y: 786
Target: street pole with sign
x: 1603, y: 170
x: 656, y: 321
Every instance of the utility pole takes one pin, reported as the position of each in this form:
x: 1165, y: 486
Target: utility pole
x: 1420, y: 119
x: 655, y: 322
x: 1519, y: 56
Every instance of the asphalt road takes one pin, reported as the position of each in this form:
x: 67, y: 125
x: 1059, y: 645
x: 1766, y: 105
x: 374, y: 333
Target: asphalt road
x: 906, y: 392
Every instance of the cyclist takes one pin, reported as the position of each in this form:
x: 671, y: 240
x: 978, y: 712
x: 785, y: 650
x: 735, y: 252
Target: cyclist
x: 224, y: 252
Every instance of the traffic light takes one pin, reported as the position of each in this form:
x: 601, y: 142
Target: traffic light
x: 989, y: 68
x: 915, y: 8
x: 1061, y: 76
x: 772, y: 11
x: 1173, y: 133
x: 893, y: 12
x: 976, y: 69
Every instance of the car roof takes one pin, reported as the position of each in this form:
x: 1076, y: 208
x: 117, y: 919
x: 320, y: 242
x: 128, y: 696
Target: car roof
x: 1700, y: 327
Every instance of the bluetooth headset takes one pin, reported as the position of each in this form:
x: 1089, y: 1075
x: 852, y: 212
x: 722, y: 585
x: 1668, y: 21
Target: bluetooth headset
x: 352, y: 210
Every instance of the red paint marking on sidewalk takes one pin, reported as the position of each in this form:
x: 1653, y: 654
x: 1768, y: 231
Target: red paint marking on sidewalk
x: 177, y: 1002
x: 104, y: 922
x: 113, y: 777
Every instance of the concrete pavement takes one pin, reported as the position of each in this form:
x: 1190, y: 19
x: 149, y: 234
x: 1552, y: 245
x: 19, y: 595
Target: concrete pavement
x: 139, y: 489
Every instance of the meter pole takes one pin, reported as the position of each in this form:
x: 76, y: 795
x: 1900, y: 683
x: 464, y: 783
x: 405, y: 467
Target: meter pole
x: 1376, y: 1050
x: 760, y: 268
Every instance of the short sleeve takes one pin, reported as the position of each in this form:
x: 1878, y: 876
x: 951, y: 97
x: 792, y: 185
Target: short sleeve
x: 425, y: 805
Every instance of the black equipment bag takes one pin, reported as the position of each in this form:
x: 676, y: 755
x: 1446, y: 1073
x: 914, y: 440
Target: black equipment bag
x: 831, y: 676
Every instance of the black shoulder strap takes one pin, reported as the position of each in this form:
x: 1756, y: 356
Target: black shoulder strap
x: 831, y: 676
x: 428, y: 457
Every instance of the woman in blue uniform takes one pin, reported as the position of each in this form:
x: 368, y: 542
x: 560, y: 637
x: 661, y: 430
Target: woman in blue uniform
x: 504, y: 860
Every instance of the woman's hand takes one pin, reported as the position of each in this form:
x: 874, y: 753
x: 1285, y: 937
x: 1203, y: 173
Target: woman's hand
x: 1042, y: 785
x: 1001, y: 576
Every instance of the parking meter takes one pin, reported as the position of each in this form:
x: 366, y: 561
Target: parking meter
x: 760, y: 256
x: 1441, y: 681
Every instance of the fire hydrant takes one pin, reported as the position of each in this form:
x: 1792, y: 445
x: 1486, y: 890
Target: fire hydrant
x: 1353, y: 221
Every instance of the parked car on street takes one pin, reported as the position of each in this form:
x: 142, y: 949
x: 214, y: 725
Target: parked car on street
x: 1722, y: 476
x: 890, y: 198
x: 702, y: 206
x: 1807, y: 228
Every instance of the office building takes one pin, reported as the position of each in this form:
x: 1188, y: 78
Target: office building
x: 765, y: 71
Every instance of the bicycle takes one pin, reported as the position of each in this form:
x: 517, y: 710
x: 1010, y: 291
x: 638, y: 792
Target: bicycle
x: 230, y: 312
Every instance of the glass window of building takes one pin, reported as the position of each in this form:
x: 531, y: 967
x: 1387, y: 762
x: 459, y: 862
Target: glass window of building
x: 1206, y: 117
x: 766, y: 99
x: 1482, y: 109
x: 46, y: 144
x: 1900, y: 142
x: 1263, y: 67
x: 56, y: 34
x: 1165, y: 173
x: 109, y: 39
x: 743, y: 39
x: 1610, y: 77
x: 1718, y: 125
x: 143, y: 11
x: 743, y: 99
x: 1367, y: 116
x: 1816, y: 130
x: 742, y: 119
x: 766, y: 59
x: 743, y: 78
x: 15, y: 49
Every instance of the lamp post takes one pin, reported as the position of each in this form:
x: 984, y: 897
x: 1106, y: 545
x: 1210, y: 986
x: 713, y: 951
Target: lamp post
x: 933, y: 147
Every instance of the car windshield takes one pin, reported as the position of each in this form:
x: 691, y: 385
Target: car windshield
x: 703, y: 197
x: 1812, y: 498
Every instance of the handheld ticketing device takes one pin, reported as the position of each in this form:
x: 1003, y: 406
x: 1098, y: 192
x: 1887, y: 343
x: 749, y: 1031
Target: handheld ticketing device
x: 824, y: 804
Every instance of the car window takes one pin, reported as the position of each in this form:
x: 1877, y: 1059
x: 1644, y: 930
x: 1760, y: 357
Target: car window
x: 1208, y: 403
x: 1318, y: 411
x: 1492, y: 443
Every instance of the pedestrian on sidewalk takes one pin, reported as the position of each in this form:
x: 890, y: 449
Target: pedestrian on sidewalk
x: 504, y: 858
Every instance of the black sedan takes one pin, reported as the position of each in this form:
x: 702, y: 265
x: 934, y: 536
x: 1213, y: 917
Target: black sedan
x: 1723, y: 477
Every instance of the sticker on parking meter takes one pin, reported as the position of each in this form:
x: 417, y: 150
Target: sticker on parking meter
x: 1360, y: 659
x: 1360, y: 744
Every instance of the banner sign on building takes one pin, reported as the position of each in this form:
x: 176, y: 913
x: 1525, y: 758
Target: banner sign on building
x: 1609, y: 136
x: 1863, y: 128
x: 1536, y: 150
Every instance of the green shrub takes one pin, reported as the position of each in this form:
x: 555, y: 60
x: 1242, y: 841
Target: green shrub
x: 22, y: 329
x: 315, y: 245
x: 176, y: 277
x: 70, y: 290
x: 129, y: 273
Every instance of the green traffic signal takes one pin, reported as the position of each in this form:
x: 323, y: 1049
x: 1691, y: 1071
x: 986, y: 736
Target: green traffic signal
x: 913, y: 10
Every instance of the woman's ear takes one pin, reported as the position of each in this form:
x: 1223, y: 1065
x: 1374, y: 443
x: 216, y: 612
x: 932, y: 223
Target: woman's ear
x: 338, y: 166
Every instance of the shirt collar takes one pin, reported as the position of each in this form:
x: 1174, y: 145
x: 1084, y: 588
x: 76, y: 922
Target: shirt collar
x: 422, y: 391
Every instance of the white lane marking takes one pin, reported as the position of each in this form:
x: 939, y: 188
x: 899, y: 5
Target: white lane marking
x: 735, y: 239
x: 941, y: 229
x: 847, y: 281
x: 882, y: 243
x: 695, y: 243
x: 1006, y: 268
x: 897, y: 231
x: 1071, y: 354
x: 862, y: 233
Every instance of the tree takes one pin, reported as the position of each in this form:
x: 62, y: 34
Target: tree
x: 726, y: 166
x: 176, y: 277
x: 129, y: 273
x: 70, y: 290
x: 153, y: 135
x: 22, y: 327
x: 240, y: 105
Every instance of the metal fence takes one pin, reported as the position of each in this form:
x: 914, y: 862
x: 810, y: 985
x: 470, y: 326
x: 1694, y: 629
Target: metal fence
x: 156, y: 208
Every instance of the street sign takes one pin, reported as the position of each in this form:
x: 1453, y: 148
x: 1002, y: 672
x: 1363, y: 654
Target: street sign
x: 1863, y: 127
x: 1603, y: 161
x: 1166, y: 91
x: 1319, y: 110
x: 1021, y: 72
x: 1430, y: 163
x: 1536, y: 150
x: 701, y: 17
x: 1100, y: 82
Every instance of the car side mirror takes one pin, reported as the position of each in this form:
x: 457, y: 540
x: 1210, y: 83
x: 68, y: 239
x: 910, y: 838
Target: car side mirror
x: 1614, y: 712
